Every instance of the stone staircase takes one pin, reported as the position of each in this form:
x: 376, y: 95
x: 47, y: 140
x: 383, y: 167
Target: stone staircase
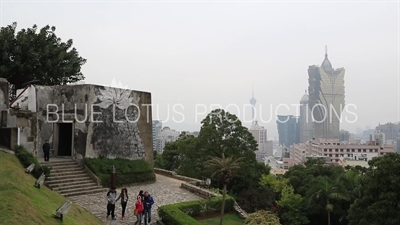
x: 69, y: 179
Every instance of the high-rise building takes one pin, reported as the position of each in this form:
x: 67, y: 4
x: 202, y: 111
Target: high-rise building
x: 165, y: 136
x: 156, y: 127
x: 253, y: 108
x: 288, y: 130
x: 265, y: 147
x: 306, y: 121
x: 391, y: 130
x: 326, y: 98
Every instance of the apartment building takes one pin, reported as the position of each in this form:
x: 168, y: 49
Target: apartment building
x: 334, y: 151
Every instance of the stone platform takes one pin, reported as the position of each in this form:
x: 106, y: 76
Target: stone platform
x: 165, y: 191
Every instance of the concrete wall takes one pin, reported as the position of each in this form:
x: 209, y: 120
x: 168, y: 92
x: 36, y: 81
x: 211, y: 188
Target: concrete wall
x: 100, y: 127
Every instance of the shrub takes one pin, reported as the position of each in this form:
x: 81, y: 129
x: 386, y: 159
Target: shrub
x: 262, y: 217
x: 127, y: 171
x: 182, y: 213
x: 26, y: 158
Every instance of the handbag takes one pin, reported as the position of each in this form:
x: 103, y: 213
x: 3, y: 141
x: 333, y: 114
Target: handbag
x: 135, y: 212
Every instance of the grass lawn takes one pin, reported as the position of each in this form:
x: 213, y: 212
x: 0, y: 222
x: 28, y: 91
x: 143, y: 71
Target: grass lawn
x: 23, y: 203
x: 231, y: 219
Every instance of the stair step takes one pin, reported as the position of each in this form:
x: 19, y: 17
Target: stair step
x: 76, y: 185
x: 67, y: 173
x: 59, y: 163
x: 56, y: 184
x: 61, y: 166
x: 67, y: 177
x: 86, y: 192
x: 67, y: 180
x: 66, y: 169
x: 78, y: 189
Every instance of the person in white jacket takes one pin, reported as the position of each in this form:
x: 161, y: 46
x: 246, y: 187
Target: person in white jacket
x: 111, y: 198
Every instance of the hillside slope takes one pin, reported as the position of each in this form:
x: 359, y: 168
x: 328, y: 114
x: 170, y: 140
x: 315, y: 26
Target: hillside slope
x: 22, y: 203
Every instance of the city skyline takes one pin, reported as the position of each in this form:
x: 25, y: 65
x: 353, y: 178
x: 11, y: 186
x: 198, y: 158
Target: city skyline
x: 213, y: 52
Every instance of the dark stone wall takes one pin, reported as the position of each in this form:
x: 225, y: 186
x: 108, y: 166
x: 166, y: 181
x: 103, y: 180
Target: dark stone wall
x: 106, y: 120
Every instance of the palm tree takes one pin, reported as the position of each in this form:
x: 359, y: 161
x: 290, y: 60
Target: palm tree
x: 324, y: 188
x: 225, y: 168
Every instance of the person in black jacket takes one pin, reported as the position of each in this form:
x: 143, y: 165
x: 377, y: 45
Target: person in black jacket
x: 46, y: 150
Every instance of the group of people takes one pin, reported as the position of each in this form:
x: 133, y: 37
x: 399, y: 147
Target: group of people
x: 143, y: 204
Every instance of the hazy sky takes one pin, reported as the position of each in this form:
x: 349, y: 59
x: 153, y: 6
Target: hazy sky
x: 213, y: 52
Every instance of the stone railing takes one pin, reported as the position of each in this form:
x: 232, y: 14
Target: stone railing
x: 199, y: 191
x: 173, y: 174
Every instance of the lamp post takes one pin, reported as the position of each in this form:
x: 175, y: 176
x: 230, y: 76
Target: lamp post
x: 113, y: 177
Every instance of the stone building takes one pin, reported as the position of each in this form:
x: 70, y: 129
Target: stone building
x: 87, y: 120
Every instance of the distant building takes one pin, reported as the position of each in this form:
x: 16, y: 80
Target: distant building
x: 288, y: 130
x: 344, y: 135
x: 156, y: 128
x: 326, y: 98
x: 334, y: 151
x: 265, y: 147
x: 391, y: 130
x: 306, y: 120
x: 164, y: 136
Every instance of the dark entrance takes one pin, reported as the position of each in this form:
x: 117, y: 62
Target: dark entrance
x: 64, y: 139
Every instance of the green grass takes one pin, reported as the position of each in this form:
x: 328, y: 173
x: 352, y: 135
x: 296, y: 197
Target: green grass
x: 22, y: 203
x: 231, y: 219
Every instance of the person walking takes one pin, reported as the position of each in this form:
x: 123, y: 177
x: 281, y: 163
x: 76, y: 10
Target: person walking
x: 46, y: 150
x: 124, y: 201
x: 111, y: 198
x: 148, y: 202
x: 139, y: 208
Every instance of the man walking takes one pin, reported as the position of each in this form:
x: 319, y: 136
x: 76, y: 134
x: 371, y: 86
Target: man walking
x: 111, y: 198
x: 46, y: 150
x: 148, y: 202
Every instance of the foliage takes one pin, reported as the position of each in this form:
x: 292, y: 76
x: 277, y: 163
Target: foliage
x: 38, y: 54
x: 230, y: 219
x: 26, y: 158
x: 307, y: 179
x: 262, y: 217
x: 127, y: 171
x: 291, y: 206
x: 23, y: 203
x: 255, y: 198
x: 380, y: 196
x: 158, y: 161
x: 182, y: 213
x: 225, y: 169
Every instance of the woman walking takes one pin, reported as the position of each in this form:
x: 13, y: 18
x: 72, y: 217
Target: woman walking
x: 124, y: 200
x: 139, y: 208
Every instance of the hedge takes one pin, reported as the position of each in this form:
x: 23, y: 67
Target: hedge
x: 182, y: 213
x: 26, y: 159
x: 127, y: 171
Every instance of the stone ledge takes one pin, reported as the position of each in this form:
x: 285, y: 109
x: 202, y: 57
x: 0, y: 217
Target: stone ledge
x: 173, y: 174
x: 199, y: 191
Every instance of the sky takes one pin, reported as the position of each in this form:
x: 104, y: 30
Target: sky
x: 195, y: 56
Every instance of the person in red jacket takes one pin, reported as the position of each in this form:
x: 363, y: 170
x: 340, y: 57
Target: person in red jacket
x: 139, y: 208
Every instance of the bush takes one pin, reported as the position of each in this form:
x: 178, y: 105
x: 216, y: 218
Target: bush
x: 182, y: 213
x: 26, y: 159
x: 127, y: 171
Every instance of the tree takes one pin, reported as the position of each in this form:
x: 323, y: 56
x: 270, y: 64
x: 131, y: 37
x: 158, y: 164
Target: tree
x: 30, y: 55
x: 262, y: 217
x: 290, y: 205
x: 380, y: 193
x: 224, y: 168
x: 323, y: 188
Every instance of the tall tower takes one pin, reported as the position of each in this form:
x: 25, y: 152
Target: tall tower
x: 326, y: 98
x: 306, y: 122
x: 253, y: 107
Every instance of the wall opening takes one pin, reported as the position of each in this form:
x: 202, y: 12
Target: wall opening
x: 65, y: 139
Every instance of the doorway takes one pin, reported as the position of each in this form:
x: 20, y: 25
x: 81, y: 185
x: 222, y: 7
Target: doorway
x: 65, y: 139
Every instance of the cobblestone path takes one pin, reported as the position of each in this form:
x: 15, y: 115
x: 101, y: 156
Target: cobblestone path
x: 165, y: 191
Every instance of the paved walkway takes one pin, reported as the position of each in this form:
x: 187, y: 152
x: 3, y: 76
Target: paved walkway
x: 165, y: 191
